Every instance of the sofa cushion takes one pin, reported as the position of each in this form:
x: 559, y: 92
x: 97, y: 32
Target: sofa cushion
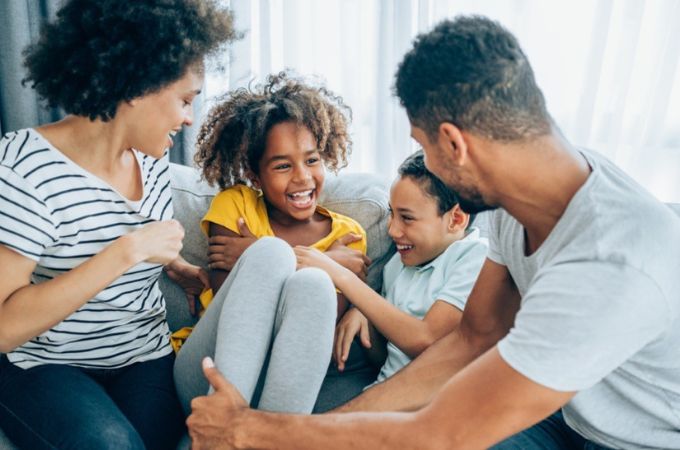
x: 363, y: 197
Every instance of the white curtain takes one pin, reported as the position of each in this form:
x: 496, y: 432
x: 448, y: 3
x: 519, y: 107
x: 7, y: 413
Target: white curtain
x: 609, y: 69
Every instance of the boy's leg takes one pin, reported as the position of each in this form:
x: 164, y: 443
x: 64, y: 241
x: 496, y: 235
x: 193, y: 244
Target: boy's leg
x: 58, y: 406
x: 239, y: 333
x: 145, y: 393
x: 302, y: 346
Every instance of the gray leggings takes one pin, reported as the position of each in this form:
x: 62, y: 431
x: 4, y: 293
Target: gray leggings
x: 268, y: 322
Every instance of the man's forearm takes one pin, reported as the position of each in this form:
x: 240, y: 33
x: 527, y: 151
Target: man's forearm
x: 416, y: 384
x: 263, y: 430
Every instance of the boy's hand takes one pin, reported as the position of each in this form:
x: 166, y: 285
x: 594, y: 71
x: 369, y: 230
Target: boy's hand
x: 351, y: 324
x: 311, y: 257
x: 191, y: 278
x: 224, y: 251
x: 350, y: 258
x: 211, y: 423
x: 156, y: 242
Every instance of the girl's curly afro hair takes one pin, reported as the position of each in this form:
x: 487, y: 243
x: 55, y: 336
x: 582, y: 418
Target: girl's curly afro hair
x: 232, y: 139
x: 99, y: 53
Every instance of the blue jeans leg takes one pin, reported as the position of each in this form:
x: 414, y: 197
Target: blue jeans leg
x: 145, y: 393
x: 552, y: 433
x: 58, y: 406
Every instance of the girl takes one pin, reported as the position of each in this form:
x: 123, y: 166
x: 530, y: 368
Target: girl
x: 267, y: 149
x: 85, y: 225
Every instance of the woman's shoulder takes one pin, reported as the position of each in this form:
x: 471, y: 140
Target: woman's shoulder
x: 17, y: 146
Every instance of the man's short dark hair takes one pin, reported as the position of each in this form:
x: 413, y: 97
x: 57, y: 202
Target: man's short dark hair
x: 471, y: 72
x: 414, y: 168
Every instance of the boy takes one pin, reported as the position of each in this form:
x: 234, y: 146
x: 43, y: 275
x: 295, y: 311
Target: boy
x: 426, y: 283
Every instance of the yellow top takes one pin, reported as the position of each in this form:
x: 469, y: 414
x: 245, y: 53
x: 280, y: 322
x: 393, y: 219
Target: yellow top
x: 242, y: 201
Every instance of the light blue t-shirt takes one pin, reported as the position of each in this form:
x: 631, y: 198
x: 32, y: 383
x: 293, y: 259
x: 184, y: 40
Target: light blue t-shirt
x: 414, y: 289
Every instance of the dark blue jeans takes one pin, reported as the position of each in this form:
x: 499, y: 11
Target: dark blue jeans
x: 552, y: 433
x: 59, y: 406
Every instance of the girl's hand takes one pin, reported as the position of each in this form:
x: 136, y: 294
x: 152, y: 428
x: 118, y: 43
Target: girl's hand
x: 156, y: 242
x: 311, y: 257
x: 224, y: 251
x: 351, y: 324
x: 193, y: 279
x: 350, y: 258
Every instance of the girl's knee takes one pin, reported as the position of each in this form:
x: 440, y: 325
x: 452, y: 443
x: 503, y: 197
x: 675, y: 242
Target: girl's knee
x: 312, y: 288
x: 272, y: 252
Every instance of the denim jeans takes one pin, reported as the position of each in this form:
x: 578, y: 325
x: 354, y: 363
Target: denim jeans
x: 65, y: 407
x: 552, y: 433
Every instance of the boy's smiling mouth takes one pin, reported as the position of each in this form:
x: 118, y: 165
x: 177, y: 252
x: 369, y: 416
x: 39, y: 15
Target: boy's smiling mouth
x: 403, y: 248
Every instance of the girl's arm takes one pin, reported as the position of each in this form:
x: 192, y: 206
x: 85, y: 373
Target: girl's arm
x: 28, y: 310
x: 409, y: 334
x: 218, y: 272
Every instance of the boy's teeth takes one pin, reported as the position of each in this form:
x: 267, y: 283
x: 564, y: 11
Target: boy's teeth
x: 404, y: 247
x: 172, y: 133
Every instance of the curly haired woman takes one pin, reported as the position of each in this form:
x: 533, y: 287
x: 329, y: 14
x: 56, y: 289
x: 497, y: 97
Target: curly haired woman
x: 268, y: 325
x: 85, y: 225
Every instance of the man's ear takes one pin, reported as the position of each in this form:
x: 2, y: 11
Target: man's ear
x: 458, y: 220
x: 451, y: 138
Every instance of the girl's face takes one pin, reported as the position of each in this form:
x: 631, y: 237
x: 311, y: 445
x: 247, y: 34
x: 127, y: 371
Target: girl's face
x: 153, y: 119
x: 291, y: 173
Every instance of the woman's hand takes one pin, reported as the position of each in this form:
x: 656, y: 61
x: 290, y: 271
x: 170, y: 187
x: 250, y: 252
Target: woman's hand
x: 156, y: 242
x: 192, y: 279
x: 351, y: 324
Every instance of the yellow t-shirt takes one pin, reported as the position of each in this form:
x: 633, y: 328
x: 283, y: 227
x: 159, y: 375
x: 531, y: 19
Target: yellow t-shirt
x: 242, y: 201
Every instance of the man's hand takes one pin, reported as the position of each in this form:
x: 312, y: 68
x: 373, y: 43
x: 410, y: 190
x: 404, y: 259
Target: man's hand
x: 351, y: 324
x: 347, y: 257
x: 212, y: 420
x: 224, y: 251
x: 191, y: 278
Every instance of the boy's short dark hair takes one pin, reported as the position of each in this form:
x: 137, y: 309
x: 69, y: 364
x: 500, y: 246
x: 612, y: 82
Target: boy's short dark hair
x: 99, y: 53
x: 471, y: 72
x: 414, y: 168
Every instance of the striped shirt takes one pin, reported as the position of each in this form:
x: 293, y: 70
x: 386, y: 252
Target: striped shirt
x: 59, y: 215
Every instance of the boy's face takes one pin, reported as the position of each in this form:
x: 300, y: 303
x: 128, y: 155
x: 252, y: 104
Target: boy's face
x: 291, y: 173
x: 416, y: 227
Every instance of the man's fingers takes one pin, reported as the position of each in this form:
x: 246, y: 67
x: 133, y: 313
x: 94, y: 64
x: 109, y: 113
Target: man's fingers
x: 204, y: 277
x: 214, y: 377
x: 366, y: 259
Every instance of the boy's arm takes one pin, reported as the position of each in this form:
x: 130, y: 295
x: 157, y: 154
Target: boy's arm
x: 411, y: 335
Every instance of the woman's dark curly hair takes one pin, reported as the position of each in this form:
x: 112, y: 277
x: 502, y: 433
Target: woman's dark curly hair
x: 232, y: 139
x: 99, y: 53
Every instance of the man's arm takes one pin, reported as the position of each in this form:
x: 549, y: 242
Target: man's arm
x: 488, y: 316
x: 484, y: 403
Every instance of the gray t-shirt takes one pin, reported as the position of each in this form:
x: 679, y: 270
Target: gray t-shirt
x: 600, y: 311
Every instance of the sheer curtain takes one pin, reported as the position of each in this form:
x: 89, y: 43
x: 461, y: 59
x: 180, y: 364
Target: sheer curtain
x: 609, y: 69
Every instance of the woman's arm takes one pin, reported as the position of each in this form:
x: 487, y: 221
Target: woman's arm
x: 28, y: 310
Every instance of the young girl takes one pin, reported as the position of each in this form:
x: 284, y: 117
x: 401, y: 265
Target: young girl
x: 267, y: 150
x: 426, y: 283
x: 85, y: 225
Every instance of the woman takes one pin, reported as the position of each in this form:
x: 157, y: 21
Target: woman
x: 85, y: 225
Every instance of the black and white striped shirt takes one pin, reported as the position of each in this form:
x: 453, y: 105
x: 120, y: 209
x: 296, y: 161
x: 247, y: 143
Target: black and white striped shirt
x: 59, y: 215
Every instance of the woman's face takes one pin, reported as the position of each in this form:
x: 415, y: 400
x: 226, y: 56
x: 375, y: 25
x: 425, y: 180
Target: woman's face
x: 153, y: 119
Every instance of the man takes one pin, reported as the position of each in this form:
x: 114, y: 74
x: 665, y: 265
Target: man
x: 577, y: 306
